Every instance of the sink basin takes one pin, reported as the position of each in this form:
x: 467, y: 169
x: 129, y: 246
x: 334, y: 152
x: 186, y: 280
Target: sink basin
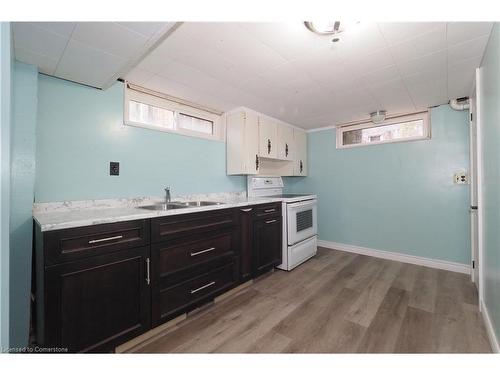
x: 177, y: 205
x: 164, y: 206
x: 201, y: 203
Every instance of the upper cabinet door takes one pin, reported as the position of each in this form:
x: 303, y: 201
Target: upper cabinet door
x: 285, y: 143
x: 300, y: 140
x: 251, y: 144
x: 268, y: 135
x: 242, y: 143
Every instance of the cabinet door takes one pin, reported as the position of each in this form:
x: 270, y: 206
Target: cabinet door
x: 97, y: 303
x: 285, y: 143
x: 246, y: 258
x: 251, y: 143
x: 300, y: 140
x: 268, y: 135
x: 267, y: 237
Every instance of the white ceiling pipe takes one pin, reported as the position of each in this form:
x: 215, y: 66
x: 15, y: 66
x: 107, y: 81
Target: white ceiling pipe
x: 461, y: 105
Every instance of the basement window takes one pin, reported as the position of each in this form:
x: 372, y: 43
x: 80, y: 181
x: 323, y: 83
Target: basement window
x: 156, y: 111
x: 404, y: 128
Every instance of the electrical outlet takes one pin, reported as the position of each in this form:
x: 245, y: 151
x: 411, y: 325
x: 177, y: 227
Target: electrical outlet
x: 461, y: 178
x: 114, y: 168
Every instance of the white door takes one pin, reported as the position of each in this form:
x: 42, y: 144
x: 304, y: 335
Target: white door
x: 267, y: 139
x: 300, y: 140
x: 285, y: 142
x: 473, y: 194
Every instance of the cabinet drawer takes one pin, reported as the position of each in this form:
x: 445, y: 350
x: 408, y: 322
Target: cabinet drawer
x: 267, y: 210
x: 186, y: 225
x: 189, y: 294
x: 78, y: 243
x: 175, y: 257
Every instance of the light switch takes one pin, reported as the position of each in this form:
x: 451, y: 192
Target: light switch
x: 461, y: 178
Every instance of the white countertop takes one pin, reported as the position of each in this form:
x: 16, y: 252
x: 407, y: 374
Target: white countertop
x: 56, y: 218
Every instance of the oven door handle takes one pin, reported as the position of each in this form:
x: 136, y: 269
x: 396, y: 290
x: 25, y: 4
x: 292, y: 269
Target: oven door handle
x: 312, y: 202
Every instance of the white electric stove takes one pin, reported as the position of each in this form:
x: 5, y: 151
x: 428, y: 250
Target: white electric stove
x: 299, y: 213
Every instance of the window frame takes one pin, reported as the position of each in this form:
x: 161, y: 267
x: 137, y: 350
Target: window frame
x: 149, y: 99
x: 425, y: 116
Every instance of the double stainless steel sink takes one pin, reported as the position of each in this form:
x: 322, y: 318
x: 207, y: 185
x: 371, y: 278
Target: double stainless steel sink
x: 179, y: 205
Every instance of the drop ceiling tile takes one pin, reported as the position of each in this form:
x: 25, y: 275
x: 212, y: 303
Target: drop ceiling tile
x: 427, y: 43
x: 468, y: 64
x: 460, y: 83
x: 427, y: 91
x: 138, y: 76
x: 287, y: 77
x: 380, y: 76
x: 467, y: 50
x: 45, y: 64
x: 109, y: 37
x: 291, y: 40
x: 148, y: 29
x: 459, y: 32
x: 362, y: 39
x: 397, y: 32
x: 392, y: 96
x: 62, y: 28
x: 39, y: 41
x: 372, y: 62
x: 262, y: 89
x: 82, y: 63
x: 435, y: 62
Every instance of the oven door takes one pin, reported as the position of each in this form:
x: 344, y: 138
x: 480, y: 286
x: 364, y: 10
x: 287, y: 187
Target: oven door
x: 301, y: 221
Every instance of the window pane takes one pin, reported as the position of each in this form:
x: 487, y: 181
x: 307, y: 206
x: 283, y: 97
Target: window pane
x: 150, y: 115
x: 195, y: 124
x: 400, y: 131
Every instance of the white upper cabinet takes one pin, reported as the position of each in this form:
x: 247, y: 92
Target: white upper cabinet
x: 242, y: 143
x: 300, y: 163
x: 268, y: 138
x: 285, y: 143
x: 256, y: 144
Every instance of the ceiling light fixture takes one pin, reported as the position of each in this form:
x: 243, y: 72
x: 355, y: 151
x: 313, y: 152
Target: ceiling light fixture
x: 378, y: 117
x: 323, y: 27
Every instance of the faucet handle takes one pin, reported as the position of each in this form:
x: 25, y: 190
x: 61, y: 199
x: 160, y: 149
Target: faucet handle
x: 167, y: 188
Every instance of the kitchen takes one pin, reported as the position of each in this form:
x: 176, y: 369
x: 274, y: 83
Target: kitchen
x: 250, y: 187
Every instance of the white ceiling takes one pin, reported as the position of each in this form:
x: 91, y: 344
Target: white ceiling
x: 287, y: 72
x: 280, y: 69
x: 92, y: 53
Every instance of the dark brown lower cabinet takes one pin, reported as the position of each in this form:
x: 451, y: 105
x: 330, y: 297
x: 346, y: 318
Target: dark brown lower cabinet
x: 267, y: 250
x: 99, y: 286
x: 96, y: 303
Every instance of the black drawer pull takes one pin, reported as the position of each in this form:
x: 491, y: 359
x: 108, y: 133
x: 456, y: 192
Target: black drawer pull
x: 193, y: 291
x: 271, y: 221
x: 202, y: 251
x: 270, y: 210
x: 105, y: 239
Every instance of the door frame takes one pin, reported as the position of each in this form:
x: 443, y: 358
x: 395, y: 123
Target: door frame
x: 480, y: 193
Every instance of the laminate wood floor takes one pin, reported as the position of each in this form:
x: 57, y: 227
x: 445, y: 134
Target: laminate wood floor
x: 339, y: 302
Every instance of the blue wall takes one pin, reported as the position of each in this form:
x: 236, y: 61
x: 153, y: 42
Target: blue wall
x: 80, y: 130
x: 5, y: 126
x: 397, y: 197
x: 24, y: 83
x: 489, y: 112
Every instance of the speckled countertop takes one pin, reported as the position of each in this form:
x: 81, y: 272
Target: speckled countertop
x: 71, y: 214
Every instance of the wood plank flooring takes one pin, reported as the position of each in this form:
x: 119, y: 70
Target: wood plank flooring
x: 339, y: 302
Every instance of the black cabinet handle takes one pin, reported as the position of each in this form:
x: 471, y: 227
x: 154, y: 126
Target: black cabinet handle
x: 268, y: 146
x: 256, y: 162
x: 286, y: 149
x: 301, y: 166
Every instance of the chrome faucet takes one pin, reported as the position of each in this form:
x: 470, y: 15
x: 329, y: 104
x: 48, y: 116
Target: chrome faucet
x: 167, y: 194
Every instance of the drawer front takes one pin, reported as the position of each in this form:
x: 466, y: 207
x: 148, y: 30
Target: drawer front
x: 267, y: 210
x: 185, y: 296
x: 186, y: 225
x: 77, y: 243
x: 176, y: 257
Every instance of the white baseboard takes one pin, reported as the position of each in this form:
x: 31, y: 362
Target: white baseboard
x: 489, y: 328
x: 421, y: 261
